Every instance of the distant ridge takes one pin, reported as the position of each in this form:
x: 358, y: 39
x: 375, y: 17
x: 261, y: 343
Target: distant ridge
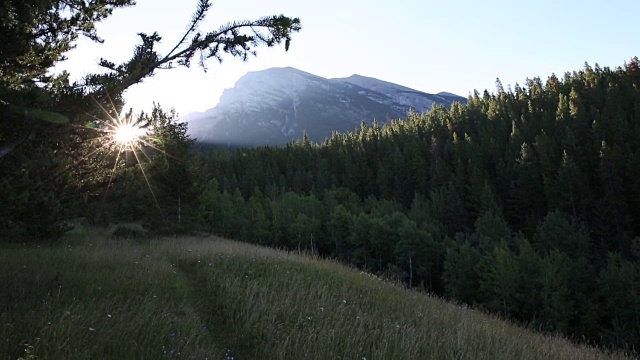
x: 278, y: 105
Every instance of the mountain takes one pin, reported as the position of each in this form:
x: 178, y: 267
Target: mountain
x: 277, y: 105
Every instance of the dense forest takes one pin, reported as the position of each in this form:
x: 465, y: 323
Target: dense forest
x: 523, y: 203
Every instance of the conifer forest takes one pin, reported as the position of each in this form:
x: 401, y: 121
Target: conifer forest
x: 524, y: 203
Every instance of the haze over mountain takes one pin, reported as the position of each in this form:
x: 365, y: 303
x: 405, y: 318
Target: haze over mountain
x: 277, y: 105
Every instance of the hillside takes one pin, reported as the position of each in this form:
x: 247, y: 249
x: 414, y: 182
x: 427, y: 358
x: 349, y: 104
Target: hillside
x: 523, y: 202
x: 275, y: 106
x: 197, y: 298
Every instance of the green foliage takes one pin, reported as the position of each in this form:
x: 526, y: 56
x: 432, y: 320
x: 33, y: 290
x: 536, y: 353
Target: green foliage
x: 620, y: 286
x: 31, y: 211
x: 37, y: 35
x: 556, y: 233
x: 37, y: 114
x: 55, y: 159
x: 93, y: 298
x: 153, y: 183
x: 522, y: 203
x: 129, y: 231
x: 500, y: 279
x: 461, y: 276
x: 339, y: 228
x: 557, y: 307
x: 513, y: 204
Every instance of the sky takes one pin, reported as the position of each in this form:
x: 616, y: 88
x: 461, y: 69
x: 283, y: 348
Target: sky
x: 431, y: 46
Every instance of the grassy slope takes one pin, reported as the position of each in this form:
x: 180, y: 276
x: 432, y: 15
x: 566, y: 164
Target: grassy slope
x: 195, y: 298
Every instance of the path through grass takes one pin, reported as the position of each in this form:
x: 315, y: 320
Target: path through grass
x: 195, y: 298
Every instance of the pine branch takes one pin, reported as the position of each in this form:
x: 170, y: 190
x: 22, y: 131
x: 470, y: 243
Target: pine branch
x: 198, y: 16
x: 229, y: 38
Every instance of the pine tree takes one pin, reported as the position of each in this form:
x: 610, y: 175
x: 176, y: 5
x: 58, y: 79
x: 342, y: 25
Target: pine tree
x: 339, y: 228
x: 556, y: 233
x: 460, y: 276
x: 620, y: 287
x: 210, y: 210
x: 45, y: 117
x: 557, y: 308
x: 500, y: 280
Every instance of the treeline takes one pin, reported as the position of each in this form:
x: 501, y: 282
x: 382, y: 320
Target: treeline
x: 525, y: 202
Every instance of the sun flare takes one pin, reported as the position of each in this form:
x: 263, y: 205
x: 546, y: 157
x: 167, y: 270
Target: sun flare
x: 127, y: 134
x: 123, y: 136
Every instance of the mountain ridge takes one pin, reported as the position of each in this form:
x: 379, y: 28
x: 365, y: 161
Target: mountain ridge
x: 278, y: 105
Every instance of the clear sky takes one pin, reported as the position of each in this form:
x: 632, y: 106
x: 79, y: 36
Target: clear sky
x: 432, y: 46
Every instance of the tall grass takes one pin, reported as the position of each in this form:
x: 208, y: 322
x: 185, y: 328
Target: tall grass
x: 205, y: 298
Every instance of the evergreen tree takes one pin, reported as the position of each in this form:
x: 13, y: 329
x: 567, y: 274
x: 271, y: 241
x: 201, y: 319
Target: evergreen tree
x: 500, y: 280
x: 620, y: 286
x: 461, y: 276
x: 48, y: 118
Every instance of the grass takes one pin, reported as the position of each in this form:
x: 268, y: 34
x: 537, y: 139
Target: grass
x: 95, y: 297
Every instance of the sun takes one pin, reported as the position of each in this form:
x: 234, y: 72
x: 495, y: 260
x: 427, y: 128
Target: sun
x: 124, y: 135
x: 127, y: 134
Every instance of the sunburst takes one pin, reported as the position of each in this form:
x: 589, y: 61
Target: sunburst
x: 127, y: 135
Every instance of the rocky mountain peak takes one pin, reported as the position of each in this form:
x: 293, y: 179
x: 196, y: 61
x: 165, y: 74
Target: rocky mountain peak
x: 277, y: 105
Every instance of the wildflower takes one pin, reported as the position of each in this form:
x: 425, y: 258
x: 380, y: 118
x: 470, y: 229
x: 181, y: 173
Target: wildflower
x: 92, y: 329
x: 109, y: 315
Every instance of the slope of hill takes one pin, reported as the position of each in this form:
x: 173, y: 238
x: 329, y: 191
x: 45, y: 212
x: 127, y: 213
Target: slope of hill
x: 522, y: 202
x: 275, y: 106
x: 193, y: 298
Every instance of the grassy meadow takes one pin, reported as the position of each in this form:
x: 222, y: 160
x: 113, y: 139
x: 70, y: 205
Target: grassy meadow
x: 94, y: 297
